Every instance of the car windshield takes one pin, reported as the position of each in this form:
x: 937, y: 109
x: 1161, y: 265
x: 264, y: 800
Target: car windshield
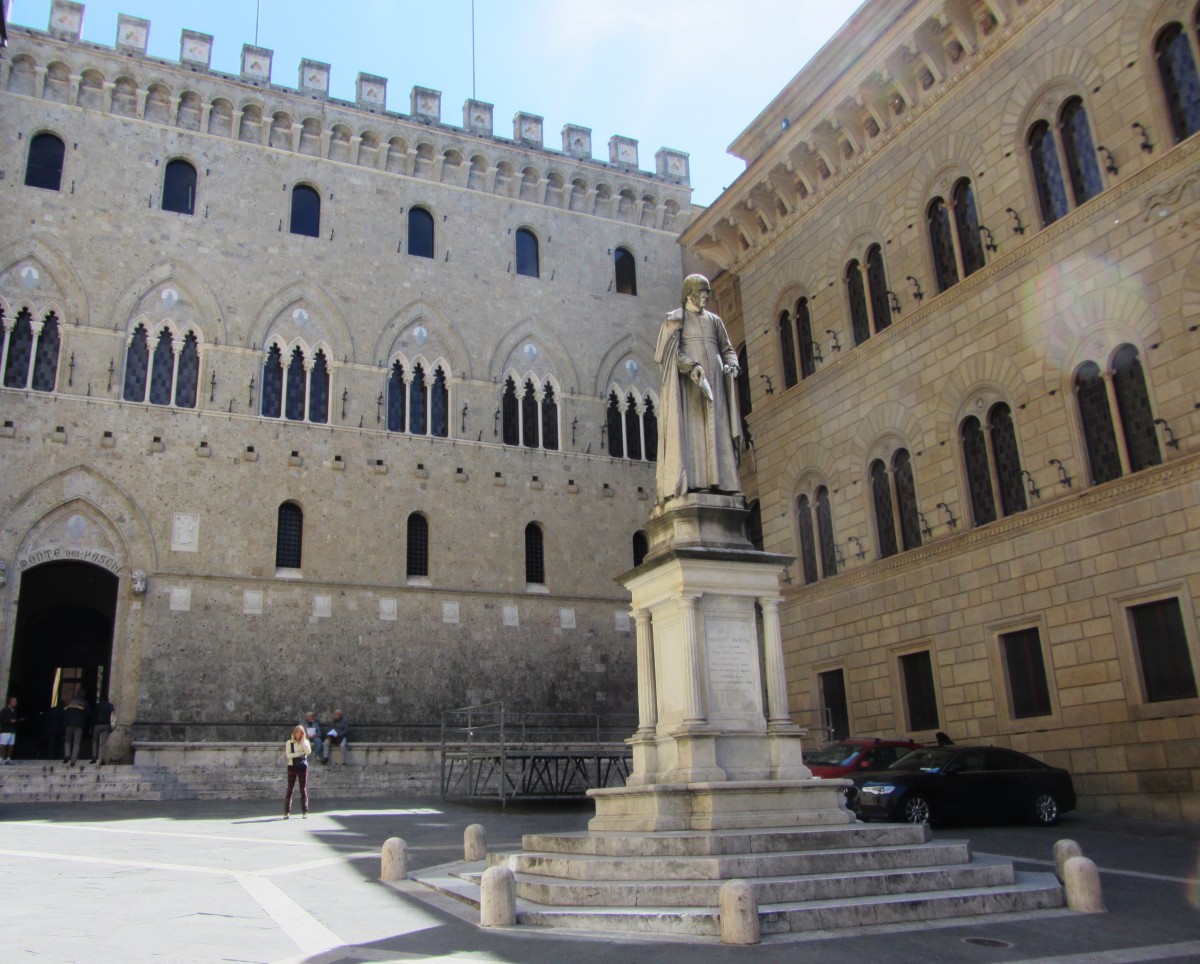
x: 930, y: 760
x: 833, y: 755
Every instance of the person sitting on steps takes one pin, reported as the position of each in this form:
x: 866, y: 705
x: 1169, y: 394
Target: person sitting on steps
x: 338, y: 735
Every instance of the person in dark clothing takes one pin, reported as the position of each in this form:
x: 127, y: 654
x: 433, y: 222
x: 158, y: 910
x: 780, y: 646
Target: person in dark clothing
x: 75, y: 716
x: 102, y: 729
x: 338, y: 734
x: 8, y: 730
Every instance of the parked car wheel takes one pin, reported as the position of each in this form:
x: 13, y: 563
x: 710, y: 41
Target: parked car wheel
x: 1045, y: 810
x: 916, y: 809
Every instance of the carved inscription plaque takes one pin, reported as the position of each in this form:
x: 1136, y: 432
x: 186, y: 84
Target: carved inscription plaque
x: 733, y: 682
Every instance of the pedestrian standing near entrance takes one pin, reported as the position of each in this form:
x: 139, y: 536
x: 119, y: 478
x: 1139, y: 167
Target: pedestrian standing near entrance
x: 8, y: 730
x: 296, y: 751
x: 75, y: 716
x: 106, y: 715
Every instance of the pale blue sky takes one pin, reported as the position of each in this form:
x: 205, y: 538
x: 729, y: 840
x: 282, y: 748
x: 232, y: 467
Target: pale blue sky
x: 685, y: 74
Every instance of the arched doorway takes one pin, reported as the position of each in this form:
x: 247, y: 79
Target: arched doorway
x: 62, y: 642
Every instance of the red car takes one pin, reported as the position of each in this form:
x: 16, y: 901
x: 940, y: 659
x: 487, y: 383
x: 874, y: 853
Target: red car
x: 856, y: 754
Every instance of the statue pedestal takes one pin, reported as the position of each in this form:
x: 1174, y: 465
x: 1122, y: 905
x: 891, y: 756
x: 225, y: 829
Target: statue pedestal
x: 709, y: 753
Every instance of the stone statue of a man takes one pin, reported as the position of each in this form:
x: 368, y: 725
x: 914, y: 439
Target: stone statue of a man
x: 698, y: 424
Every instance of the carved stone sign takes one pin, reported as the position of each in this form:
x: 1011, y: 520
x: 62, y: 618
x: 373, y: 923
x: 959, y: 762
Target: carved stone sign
x: 734, y: 689
x: 96, y: 557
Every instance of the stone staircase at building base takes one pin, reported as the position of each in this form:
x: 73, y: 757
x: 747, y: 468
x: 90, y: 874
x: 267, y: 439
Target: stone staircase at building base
x: 806, y: 879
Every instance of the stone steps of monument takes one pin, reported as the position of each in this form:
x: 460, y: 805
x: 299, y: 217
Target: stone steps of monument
x: 725, y: 843
x: 781, y: 890
x: 726, y: 867
x: 36, y: 781
x: 1029, y: 892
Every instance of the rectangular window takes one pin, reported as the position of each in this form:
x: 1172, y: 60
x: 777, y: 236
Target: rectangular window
x: 1162, y: 651
x: 917, y: 670
x: 833, y: 700
x: 1026, y: 670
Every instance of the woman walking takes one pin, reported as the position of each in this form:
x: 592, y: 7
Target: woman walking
x: 296, y: 750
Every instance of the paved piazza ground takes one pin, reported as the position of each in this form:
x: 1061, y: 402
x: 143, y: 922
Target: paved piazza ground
x: 202, y: 881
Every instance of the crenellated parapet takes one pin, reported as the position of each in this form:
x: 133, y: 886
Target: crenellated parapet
x: 57, y: 65
x: 894, y: 64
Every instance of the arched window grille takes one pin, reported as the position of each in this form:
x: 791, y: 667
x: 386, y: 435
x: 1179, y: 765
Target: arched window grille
x: 19, y: 351
x: 859, y: 322
x: 808, y: 542
x: 1127, y: 407
x: 626, y: 271
x: 187, y: 372
x: 1180, y: 81
x: 162, y: 369
x: 1079, y: 150
x: 633, y: 428
x: 979, y: 477
x: 941, y: 238
x: 439, y: 405
x: 1095, y: 416
x: 420, y: 233
x: 966, y: 220
x: 272, y: 383
x: 877, y: 288
x: 1067, y: 147
x: 297, y: 385
x: 1133, y: 407
x: 289, y: 536
x: 528, y: 263
x: 510, y: 414
x: 549, y: 418
x: 1047, y: 175
x: 787, y: 349
x: 397, y: 399
x: 613, y: 424
x: 894, y: 495
x: 906, y: 499
x: 318, y: 390
x: 44, y: 165
x: 650, y: 429
x: 417, y: 555
x: 179, y: 187
x: 1007, y: 459
x: 45, y: 357
x: 306, y: 211
x: 530, y: 416
x: 640, y: 547
x: 804, y: 336
x: 137, y: 362
x: 954, y: 235
x: 535, y: 557
x: 825, y: 532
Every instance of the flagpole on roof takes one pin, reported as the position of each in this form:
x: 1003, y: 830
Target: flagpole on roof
x: 257, y: 17
x: 472, y: 49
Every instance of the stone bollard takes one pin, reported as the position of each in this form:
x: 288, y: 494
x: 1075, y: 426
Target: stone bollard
x: 497, y: 898
x: 475, y: 842
x: 1063, y: 851
x: 393, y: 863
x: 1081, y: 880
x: 739, y: 913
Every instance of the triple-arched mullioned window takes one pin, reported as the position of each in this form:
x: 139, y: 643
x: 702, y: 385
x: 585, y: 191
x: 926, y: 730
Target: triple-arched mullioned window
x: 163, y: 368
x: 529, y: 415
x: 1064, y: 146
x: 1115, y: 416
x: 631, y: 427
x: 29, y: 354
x: 295, y: 384
x: 418, y: 400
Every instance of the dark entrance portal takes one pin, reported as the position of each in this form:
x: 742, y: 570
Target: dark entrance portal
x: 62, y: 643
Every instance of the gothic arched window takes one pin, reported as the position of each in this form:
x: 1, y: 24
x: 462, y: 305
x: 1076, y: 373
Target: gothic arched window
x: 179, y: 187
x: 549, y: 418
x: 439, y: 405
x: 528, y: 262
x: 510, y: 414
x: 306, y: 211
x: 44, y: 166
x: 137, y: 360
x: 45, y: 357
x: 318, y: 390
x: 614, y: 427
x: 187, y: 372
x: 272, y: 383
x: 397, y: 399
x: 296, y: 387
x: 420, y: 233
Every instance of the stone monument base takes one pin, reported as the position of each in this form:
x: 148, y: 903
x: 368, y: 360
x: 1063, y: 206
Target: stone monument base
x: 723, y: 806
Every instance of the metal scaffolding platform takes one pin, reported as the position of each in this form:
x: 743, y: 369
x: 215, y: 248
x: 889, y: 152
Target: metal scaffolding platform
x: 490, y: 753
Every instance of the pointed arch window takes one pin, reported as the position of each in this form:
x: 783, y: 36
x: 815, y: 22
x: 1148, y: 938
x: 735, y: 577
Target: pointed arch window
x: 306, y: 211
x: 804, y: 337
x: 1067, y: 147
x: 45, y: 358
x: 650, y: 429
x: 187, y: 372
x: 417, y: 554
x: 808, y: 542
x: 396, y: 398
x: 162, y: 369
x: 528, y: 263
x: 439, y: 405
x: 626, y: 270
x: 613, y: 424
x: 318, y: 390
x: 510, y: 413
x: 19, y: 351
x: 137, y: 362
x: 549, y: 418
x: 44, y: 166
x: 529, y: 416
x: 289, y: 536
x: 179, y: 187
x: 633, y: 428
x: 272, y: 383
x: 420, y: 233
x: 787, y: 349
x: 1180, y: 81
x: 296, y: 386
x: 535, y: 555
x: 417, y: 402
x: 1136, y: 447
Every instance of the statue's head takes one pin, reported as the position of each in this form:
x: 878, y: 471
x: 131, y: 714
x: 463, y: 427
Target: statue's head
x: 693, y: 285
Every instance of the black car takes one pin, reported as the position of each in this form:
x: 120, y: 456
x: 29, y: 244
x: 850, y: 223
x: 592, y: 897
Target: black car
x: 964, y: 783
